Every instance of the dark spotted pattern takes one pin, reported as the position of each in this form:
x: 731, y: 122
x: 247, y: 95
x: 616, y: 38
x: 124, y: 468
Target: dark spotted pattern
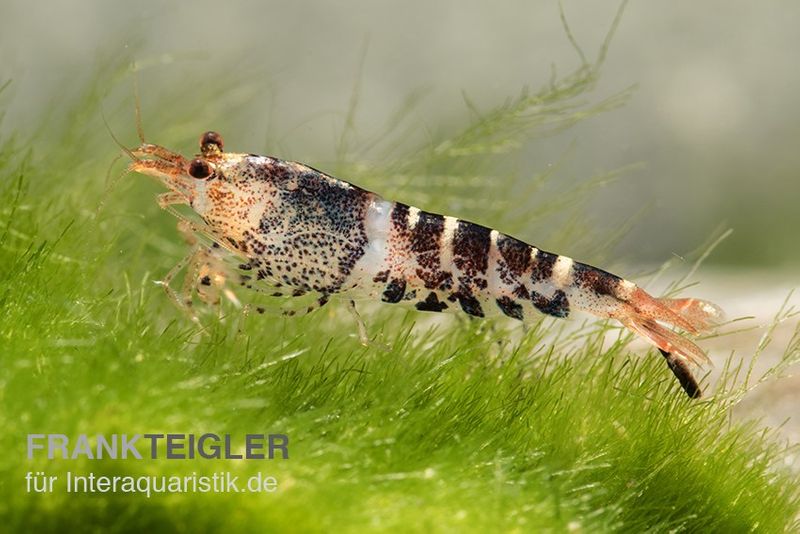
x: 311, y: 234
x: 516, y: 254
x: 274, y: 171
x: 510, y: 307
x: 512, y: 261
x: 316, y: 237
x: 543, y: 266
x: 521, y: 292
x: 471, y: 244
x: 399, y: 218
x: 470, y: 305
x: 425, y: 244
x: 394, y: 291
x: 431, y: 303
x: 381, y: 277
x: 557, y: 305
x: 426, y: 238
x: 471, y: 248
x: 597, y: 280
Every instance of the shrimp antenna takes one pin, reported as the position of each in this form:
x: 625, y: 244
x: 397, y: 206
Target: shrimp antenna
x: 110, y: 184
x: 138, y: 108
x: 114, y: 137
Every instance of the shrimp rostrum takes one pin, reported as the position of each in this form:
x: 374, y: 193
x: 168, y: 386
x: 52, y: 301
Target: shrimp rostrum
x: 295, y: 230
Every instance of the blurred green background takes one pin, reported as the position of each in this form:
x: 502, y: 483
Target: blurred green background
x: 705, y: 138
x: 713, y: 117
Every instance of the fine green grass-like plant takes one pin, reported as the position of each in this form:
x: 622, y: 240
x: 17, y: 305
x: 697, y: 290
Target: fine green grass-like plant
x: 460, y: 426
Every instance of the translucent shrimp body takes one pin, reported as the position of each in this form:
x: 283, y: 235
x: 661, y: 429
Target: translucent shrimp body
x: 297, y: 230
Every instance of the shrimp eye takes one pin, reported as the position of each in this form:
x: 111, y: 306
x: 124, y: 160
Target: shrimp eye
x: 211, y: 138
x: 199, y: 168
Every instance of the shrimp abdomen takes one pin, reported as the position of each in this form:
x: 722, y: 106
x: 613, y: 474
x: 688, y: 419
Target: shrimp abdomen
x: 441, y: 263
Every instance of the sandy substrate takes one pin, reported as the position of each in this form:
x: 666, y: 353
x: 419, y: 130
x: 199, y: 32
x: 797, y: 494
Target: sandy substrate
x: 777, y: 400
x: 760, y: 294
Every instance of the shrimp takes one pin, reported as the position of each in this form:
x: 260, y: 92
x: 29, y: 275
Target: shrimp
x: 296, y: 230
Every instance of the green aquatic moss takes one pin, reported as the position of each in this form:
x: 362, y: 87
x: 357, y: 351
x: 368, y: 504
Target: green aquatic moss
x: 459, y: 426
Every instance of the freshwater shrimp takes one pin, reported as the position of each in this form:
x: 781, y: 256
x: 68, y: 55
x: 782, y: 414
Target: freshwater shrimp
x: 295, y: 230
